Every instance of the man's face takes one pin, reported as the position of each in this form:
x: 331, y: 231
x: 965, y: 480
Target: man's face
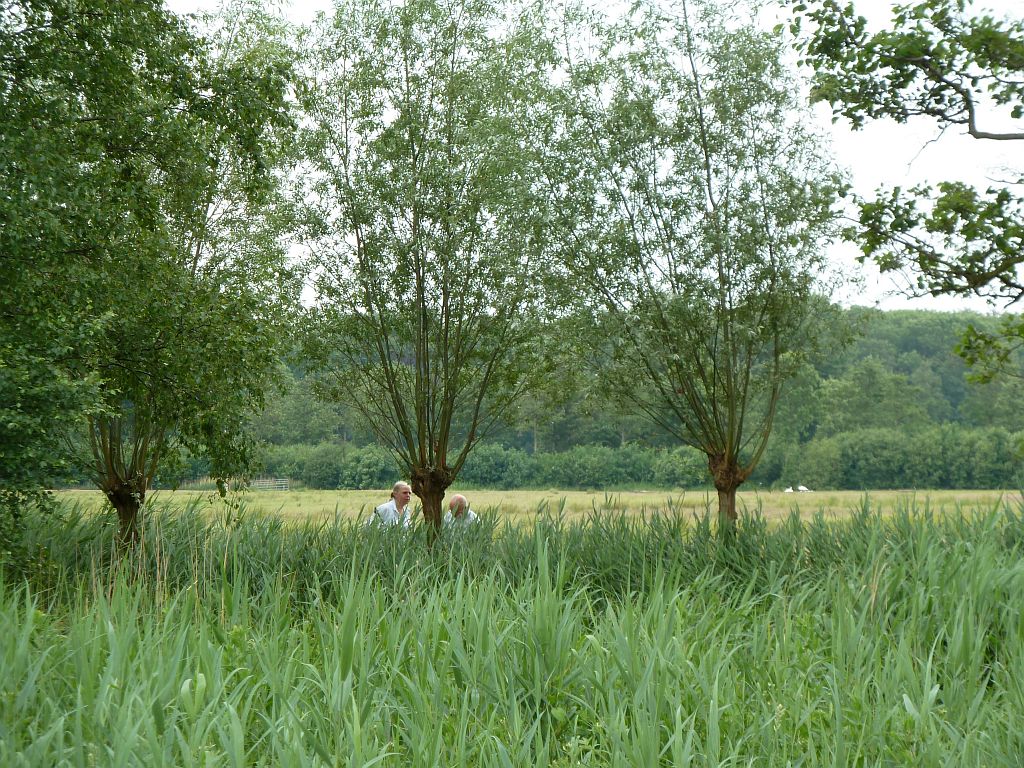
x: 402, y: 496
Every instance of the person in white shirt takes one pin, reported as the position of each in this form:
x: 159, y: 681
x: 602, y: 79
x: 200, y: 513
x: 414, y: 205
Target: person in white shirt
x: 459, y: 514
x: 396, y: 511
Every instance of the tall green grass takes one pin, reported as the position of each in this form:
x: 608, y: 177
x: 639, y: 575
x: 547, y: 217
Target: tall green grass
x: 878, y: 641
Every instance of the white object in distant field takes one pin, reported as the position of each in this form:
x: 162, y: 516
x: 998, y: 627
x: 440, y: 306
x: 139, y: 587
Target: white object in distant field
x: 788, y: 490
x: 802, y: 488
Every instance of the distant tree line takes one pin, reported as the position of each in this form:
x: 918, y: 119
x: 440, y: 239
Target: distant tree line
x: 944, y: 456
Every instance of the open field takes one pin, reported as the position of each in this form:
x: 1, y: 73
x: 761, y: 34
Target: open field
x: 523, y: 505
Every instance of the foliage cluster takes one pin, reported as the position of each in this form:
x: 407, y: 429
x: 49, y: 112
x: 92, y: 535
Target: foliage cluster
x: 890, y: 639
x: 940, y: 457
x: 329, y: 466
x: 146, y: 284
x: 944, y: 63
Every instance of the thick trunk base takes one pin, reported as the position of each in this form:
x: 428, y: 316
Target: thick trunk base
x: 727, y: 476
x: 727, y: 505
x: 127, y: 501
x: 429, y: 485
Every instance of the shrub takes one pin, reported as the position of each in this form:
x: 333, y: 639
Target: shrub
x: 491, y: 466
x: 286, y: 460
x: 992, y: 459
x: 816, y: 465
x: 946, y: 456
x: 579, y: 467
x: 369, y: 467
x: 683, y: 467
x: 323, y: 468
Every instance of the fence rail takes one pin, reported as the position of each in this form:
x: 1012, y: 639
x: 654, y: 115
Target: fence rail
x: 256, y: 484
x: 269, y: 484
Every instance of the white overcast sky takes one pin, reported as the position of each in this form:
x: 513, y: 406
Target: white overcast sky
x: 880, y: 154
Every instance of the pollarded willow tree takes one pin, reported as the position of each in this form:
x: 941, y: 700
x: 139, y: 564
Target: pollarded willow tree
x: 431, y: 213
x: 73, y: 128
x: 141, y: 283
x: 196, y: 313
x: 697, y: 204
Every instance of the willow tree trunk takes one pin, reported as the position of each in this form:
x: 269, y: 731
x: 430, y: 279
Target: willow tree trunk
x: 727, y: 515
x: 727, y: 475
x: 429, y: 485
x: 127, y: 500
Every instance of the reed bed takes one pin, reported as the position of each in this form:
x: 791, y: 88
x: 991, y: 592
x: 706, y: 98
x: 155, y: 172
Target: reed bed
x: 620, y: 640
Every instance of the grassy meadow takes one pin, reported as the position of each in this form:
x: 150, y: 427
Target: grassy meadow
x: 892, y: 635
x: 523, y: 506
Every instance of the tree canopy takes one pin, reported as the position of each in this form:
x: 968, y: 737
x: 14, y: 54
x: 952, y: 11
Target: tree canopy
x: 938, y: 61
x: 430, y: 240
x: 694, y: 204
x: 146, y: 278
x: 77, y: 126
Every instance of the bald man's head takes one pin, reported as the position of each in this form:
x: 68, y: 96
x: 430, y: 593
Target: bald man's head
x: 458, y: 505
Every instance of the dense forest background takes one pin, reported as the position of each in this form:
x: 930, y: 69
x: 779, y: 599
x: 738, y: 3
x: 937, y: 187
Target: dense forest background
x: 895, y: 407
